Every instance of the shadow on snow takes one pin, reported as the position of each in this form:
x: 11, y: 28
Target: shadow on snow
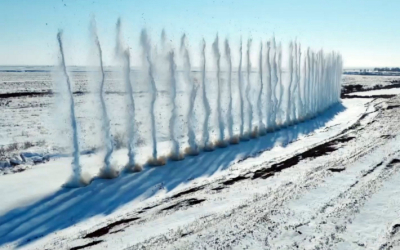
x: 67, y: 207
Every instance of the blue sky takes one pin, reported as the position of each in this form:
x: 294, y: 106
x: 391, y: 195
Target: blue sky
x: 365, y: 32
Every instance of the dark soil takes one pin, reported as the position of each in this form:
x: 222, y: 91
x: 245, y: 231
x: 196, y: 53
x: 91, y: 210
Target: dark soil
x: 105, y: 230
x: 192, y: 190
x: 147, y: 208
x: 234, y: 180
x: 87, y: 245
x: 347, y: 89
x: 372, y: 169
x: 46, y: 93
x: 184, y: 203
x: 22, y: 94
x: 393, y: 106
x: 367, y: 96
x: 315, y: 152
x: 336, y: 170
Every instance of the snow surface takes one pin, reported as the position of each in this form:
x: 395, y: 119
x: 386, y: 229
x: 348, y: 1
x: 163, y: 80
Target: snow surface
x: 35, y: 206
x: 377, y: 92
x: 345, y: 199
x: 369, y: 81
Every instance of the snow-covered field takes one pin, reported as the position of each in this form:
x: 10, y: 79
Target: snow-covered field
x: 327, y: 183
x: 369, y: 81
x: 378, y: 92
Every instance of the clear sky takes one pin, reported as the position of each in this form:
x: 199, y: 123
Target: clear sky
x: 365, y: 32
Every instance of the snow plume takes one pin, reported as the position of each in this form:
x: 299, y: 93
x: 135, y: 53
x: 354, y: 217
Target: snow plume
x: 297, y: 110
x: 123, y: 56
x: 295, y: 96
x: 320, y: 79
x: 318, y: 85
x: 146, y: 46
x: 193, y: 148
x: 240, y: 83
x: 206, y: 136
x: 221, y: 126
x: 163, y: 39
x: 175, y: 155
x: 261, y: 127
x: 310, y: 86
x: 248, y: 88
x: 299, y: 85
x: 308, y: 82
x: 132, y: 166
x: 278, y: 69
x: 229, y: 113
x: 275, y: 84
x: 268, y: 99
x: 313, y: 82
x: 107, y: 170
x: 289, y: 88
x: 76, y: 180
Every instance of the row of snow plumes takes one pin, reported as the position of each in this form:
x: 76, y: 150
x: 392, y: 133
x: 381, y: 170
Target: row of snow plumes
x: 311, y: 84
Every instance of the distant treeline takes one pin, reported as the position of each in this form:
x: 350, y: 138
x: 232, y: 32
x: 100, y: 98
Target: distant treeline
x: 387, y: 69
